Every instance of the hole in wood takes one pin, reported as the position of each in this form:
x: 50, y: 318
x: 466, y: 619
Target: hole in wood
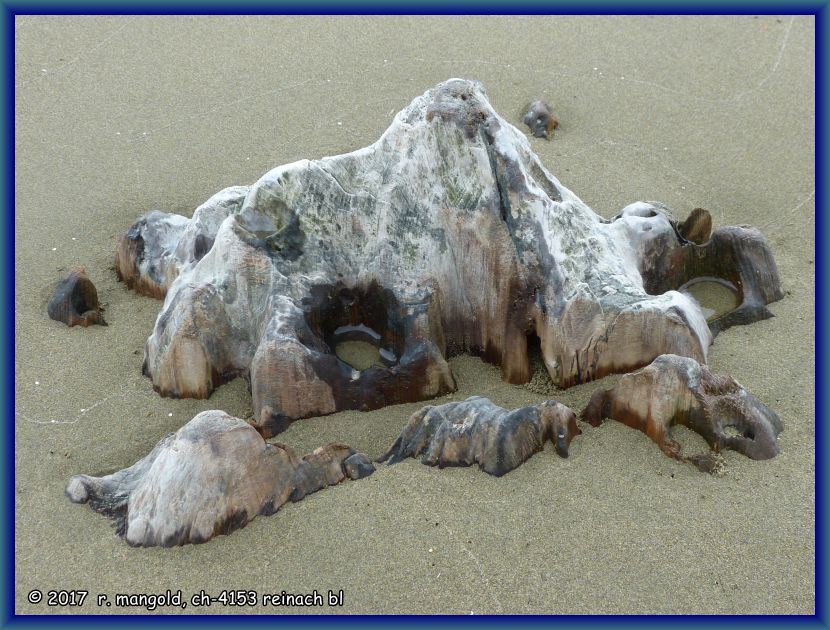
x: 716, y: 297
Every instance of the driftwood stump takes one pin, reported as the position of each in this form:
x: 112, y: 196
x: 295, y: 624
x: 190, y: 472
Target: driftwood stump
x: 447, y: 235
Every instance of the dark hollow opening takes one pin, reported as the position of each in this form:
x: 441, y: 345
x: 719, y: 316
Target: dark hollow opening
x: 534, y: 349
x: 79, y: 303
x: 353, y: 320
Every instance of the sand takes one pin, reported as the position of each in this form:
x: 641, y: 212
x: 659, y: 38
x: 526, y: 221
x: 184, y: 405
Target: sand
x: 715, y: 298
x: 361, y: 355
x: 118, y: 115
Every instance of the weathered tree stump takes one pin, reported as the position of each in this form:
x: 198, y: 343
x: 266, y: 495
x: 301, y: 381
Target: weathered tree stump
x: 446, y: 236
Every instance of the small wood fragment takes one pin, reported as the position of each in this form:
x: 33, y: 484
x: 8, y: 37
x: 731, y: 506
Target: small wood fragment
x: 75, y: 301
x: 540, y: 119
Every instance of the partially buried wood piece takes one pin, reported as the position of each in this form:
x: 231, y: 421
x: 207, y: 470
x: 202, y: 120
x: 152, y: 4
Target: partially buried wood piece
x: 540, y: 119
x: 675, y: 390
x: 447, y: 235
x: 476, y: 431
x: 75, y: 301
x: 210, y: 477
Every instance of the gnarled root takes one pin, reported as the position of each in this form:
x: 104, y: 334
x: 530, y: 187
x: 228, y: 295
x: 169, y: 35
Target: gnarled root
x: 212, y: 476
x: 678, y: 390
x: 478, y: 431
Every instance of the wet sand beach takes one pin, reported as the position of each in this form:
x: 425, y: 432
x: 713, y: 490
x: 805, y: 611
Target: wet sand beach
x: 118, y: 115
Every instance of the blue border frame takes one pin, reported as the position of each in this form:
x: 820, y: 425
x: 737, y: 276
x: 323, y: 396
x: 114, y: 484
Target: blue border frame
x: 182, y: 7
x: 821, y: 293
x: 426, y: 7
